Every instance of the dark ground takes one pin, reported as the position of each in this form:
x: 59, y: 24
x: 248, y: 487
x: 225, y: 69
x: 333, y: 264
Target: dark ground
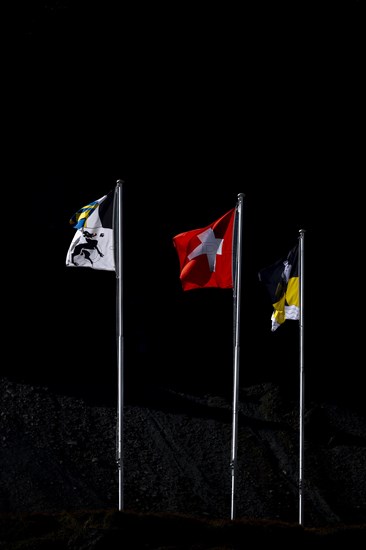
x: 59, y: 479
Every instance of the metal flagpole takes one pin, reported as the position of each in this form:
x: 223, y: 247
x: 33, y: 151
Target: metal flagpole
x: 302, y: 379
x: 120, y: 337
x: 237, y: 289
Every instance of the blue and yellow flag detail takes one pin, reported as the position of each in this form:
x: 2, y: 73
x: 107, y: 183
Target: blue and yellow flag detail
x: 282, y: 282
x: 79, y: 218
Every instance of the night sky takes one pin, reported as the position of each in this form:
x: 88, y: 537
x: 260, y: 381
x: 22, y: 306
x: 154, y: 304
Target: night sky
x: 188, y: 110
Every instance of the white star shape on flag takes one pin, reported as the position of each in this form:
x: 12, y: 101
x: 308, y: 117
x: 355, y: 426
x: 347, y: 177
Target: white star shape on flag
x: 210, y: 245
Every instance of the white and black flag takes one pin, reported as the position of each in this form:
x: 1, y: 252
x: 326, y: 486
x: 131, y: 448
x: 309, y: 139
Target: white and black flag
x: 93, y: 242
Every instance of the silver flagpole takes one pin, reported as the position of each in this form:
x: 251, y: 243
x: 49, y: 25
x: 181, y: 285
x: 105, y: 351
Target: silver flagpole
x: 302, y: 380
x: 120, y: 337
x: 237, y: 289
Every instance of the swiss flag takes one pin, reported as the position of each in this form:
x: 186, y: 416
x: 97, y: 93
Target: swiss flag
x: 206, y: 255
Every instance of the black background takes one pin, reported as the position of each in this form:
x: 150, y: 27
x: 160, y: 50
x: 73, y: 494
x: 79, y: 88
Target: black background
x: 188, y: 108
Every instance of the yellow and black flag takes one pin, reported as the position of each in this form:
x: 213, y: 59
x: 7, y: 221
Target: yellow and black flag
x: 282, y: 282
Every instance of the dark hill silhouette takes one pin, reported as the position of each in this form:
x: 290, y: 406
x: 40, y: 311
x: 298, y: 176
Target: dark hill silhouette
x: 58, y: 458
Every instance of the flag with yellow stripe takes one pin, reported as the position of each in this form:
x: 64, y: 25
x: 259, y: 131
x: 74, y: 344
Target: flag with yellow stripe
x: 282, y: 282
